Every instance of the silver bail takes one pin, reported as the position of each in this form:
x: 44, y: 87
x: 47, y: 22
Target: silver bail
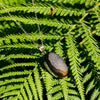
x: 41, y: 48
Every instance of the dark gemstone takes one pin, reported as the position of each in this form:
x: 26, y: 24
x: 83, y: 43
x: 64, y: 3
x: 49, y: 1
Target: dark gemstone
x: 55, y: 65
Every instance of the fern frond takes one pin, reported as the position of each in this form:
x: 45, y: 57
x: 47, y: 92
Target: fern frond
x: 9, y: 94
x: 64, y: 88
x: 15, y: 56
x: 54, y: 86
x: 90, y: 86
x: 96, y: 12
x: 23, y: 94
x: 10, y: 88
x: 58, y: 48
x: 57, y: 96
x: 38, y: 84
x: 13, y: 98
x: 42, y: 9
x: 91, y: 45
x: 96, y: 17
x: 15, y: 73
x: 19, y: 46
x: 87, y: 77
x: 95, y: 94
x: 74, y: 98
x: 23, y: 37
x: 33, y: 88
x: 73, y: 55
x: 72, y: 26
x: 51, y: 23
x: 73, y: 2
x: 48, y: 84
x: 72, y: 92
x: 5, y: 82
x: 68, y: 11
x: 28, y: 91
x: 55, y: 89
x: 84, y: 69
x: 17, y: 65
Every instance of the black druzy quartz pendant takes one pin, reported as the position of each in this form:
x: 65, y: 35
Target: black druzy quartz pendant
x: 55, y: 65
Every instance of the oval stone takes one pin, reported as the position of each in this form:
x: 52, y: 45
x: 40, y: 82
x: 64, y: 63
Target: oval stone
x: 55, y: 65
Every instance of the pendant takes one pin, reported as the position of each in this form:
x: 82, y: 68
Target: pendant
x: 55, y: 65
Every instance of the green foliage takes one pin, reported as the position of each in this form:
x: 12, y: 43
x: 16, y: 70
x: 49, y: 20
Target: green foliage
x: 72, y: 30
x: 75, y: 63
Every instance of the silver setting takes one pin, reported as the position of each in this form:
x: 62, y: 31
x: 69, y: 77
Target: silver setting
x: 41, y: 48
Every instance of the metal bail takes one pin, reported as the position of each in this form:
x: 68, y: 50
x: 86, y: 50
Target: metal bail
x: 41, y: 48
